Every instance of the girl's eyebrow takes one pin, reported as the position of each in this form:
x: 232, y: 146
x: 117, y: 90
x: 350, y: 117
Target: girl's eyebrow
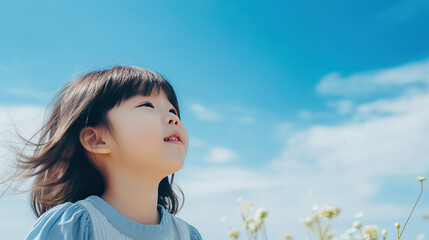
x: 146, y: 97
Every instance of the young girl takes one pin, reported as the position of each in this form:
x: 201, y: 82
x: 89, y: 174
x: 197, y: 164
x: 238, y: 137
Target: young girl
x: 112, y: 139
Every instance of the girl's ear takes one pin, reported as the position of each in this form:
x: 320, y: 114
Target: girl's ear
x: 92, y: 140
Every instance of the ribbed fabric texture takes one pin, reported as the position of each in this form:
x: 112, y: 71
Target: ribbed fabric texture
x: 93, y: 218
x: 121, y: 228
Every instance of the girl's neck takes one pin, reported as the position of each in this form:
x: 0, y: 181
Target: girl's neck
x: 134, y: 200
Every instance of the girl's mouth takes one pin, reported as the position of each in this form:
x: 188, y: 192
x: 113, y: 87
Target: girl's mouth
x: 173, y: 141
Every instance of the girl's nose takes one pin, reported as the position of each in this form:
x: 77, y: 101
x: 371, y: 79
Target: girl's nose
x: 172, y: 119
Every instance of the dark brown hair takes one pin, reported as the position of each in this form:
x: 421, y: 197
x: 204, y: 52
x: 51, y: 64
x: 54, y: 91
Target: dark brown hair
x: 63, y: 172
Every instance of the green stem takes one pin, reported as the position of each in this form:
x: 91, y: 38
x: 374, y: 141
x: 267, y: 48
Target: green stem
x: 361, y: 233
x: 421, y: 191
x: 326, y: 230
x: 265, y: 231
x: 320, y: 229
x: 247, y: 230
x: 398, y: 233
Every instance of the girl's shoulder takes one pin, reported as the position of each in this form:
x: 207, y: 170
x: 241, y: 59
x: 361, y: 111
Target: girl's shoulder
x: 64, y: 221
x: 193, y: 232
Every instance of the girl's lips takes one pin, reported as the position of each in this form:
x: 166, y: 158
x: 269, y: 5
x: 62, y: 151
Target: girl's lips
x: 174, y: 141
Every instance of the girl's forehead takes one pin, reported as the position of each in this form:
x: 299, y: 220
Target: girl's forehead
x: 161, y: 94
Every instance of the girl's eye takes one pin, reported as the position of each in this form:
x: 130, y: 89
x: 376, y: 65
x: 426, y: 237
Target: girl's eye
x: 150, y: 104
x: 174, y: 111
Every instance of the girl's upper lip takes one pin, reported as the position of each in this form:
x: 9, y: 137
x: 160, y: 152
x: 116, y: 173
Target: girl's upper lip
x: 175, y: 134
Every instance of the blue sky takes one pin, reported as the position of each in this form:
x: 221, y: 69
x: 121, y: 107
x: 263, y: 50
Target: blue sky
x: 278, y: 97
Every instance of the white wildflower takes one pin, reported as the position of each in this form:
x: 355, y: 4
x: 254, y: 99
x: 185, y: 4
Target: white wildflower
x: 421, y: 179
x: 370, y: 232
x: 261, y: 213
x: 397, y: 225
x: 350, y: 231
x: 384, y: 232
x: 330, y: 211
x: 359, y: 215
x: 245, y: 206
x: 357, y: 224
x: 331, y: 234
x: 314, y: 208
x: 345, y: 237
x: 287, y: 236
x: 254, y: 225
x: 234, y: 234
x: 308, y: 221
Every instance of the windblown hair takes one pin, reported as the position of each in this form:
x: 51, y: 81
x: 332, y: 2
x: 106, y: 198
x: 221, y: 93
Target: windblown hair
x: 63, y: 172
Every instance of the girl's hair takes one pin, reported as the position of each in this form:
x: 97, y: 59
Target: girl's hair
x: 62, y: 169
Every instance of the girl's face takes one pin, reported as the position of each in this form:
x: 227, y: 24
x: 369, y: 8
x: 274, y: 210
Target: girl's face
x: 140, y: 125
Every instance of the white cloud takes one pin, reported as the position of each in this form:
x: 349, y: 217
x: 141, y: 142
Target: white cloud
x: 203, y: 113
x: 27, y: 119
x: 341, y: 106
x: 378, y: 145
x: 346, y: 165
x: 196, y: 142
x: 411, y: 101
x: 284, y: 127
x: 220, y: 155
x: 403, y: 11
x: 374, y: 81
x: 246, y: 119
x: 305, y: 114
x: 24, y: 92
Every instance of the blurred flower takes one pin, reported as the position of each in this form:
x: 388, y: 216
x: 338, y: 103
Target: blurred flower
x: 331, y: 234
x: 421, y: 178
x: 330, y: 211
x: 314, y: 208
x: 254, y: 224
x: 357, y: 224
x: 246, y: 205
x: 359, y: 215
x: 370, y: 232
x: 350, y: 231
x: 345, y: 237
x: 239, y: 199
x: 261, y: 213
x: 234, y: 234
x: 308, y: 221
x: 288, y: 236
x: 397, y: 225
x: 384, y: 232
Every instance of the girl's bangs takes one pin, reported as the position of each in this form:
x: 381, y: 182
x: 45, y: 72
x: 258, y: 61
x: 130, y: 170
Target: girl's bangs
x: 122, y: 85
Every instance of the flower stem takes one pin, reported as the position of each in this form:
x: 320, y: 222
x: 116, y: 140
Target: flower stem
x: 361, y: 233
x: 398, y: 233
x: 246, y: 226
x: 421, y: 191
x: 265, y: 231
x: 320, y: 229
x: 326, y: 230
